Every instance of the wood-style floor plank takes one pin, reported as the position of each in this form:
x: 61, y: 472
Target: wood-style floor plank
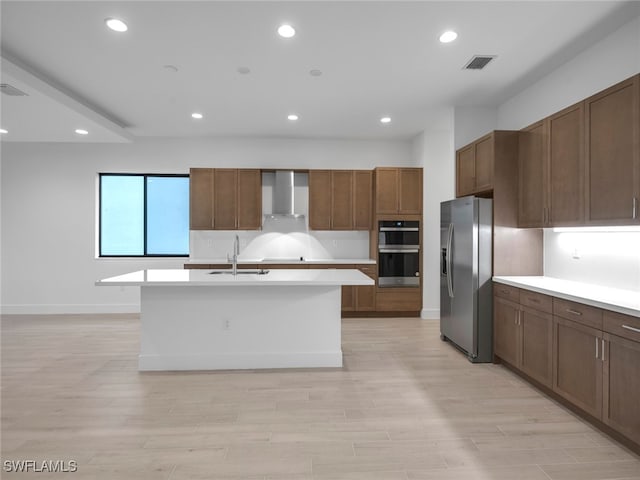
x: 406, y: 406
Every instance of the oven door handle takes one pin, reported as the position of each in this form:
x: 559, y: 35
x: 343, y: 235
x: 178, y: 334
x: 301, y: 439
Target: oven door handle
x: 399, y: 250
x: 399, y: 229
x: 449, y: 252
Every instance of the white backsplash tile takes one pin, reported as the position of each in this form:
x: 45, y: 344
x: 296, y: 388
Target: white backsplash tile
x: 609, y: 259
x: 280, y: 239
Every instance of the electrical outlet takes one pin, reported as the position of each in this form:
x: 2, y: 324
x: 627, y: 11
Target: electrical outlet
x: 226, y: 324
x: 335, y: 243
x: 210, y: 243
x: 575, y: 253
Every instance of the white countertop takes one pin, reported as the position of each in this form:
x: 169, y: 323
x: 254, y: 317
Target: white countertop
x: 306, y: 261
x: 614, y: 299
x: 278, y: 277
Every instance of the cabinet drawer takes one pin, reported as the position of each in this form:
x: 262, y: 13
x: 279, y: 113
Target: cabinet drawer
x: 537, y: 301
x: 624, y: 326
x: 506, y: 291
x: 578, y: 312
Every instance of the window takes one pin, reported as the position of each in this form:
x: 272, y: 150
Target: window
x: 143, y: 215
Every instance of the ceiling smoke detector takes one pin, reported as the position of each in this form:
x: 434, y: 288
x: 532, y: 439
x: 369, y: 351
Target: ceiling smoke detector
x: 12, y: 91
x: 478, y: 62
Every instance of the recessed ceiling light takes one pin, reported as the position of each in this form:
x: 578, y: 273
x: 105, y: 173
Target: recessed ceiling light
x: 197, y: 115
x: 286, y: 31
x: 2, y: 130
x: 385, y: 120
x: 116, y: 25
x: 243, y: 70
x: 292, y: 117
x: 315, y: 73
x: 448, y: 36
x: 81, y: 131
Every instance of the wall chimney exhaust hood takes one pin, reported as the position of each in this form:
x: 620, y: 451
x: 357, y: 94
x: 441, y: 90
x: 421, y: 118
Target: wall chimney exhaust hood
x: 283, y: 196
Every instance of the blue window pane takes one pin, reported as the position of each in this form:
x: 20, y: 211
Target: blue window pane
x: 121, y: 215
x: 167, y: 215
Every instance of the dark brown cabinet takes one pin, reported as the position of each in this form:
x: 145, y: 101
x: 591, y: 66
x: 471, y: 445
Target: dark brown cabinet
x: 565, y: 182
x: 249, y: 208
x: 613, y: 154
x: 505, y: 330
x: 340, y: 200
x: 398, y: 191
x: 523, y: 331
x: 532, y: 163
x: 201, y: 199
x: 362, y: 199
x: 577, y: 368
x: 225, y: 199
x: 474, y: 167
x: 621, y: 388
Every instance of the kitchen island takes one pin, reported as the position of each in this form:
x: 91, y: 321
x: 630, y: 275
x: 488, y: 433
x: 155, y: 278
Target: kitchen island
x: 199, y: 320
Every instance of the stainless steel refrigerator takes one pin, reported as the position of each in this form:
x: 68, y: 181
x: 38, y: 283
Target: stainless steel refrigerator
x: 466, y: 309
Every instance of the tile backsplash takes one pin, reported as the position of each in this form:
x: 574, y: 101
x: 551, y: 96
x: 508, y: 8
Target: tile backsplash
x: 606, y: 258
x: 280, y: 238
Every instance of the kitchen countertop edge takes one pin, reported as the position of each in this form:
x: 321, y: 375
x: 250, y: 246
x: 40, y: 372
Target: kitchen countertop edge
x: 616, y: 300
x: 328, y: 261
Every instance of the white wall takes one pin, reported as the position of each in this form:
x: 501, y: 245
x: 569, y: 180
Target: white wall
x: 49, y: 219
x: 435, y: 151
x: 471, y: 123
x: 609, y: 61
x: 609, y: 259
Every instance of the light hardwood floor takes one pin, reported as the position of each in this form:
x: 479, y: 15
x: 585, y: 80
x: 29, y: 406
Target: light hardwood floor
x: 405, y: 407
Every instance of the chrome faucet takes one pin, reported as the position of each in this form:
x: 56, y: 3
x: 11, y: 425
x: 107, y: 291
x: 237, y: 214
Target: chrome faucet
x: 236, y: 252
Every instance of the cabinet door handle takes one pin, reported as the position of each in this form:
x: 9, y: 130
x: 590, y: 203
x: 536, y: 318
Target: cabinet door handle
x: 575, y: 312
x: 597, y: 343
x: 515, y: 320
x: 602, y: 358
x: 634, y: 208
x: 631, y: 328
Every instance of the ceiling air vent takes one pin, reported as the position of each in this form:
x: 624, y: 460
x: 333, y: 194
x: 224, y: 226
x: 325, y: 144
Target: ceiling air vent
x: 11, y: 90
x: 478, y: 62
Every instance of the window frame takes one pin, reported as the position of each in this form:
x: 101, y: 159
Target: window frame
x: 144, y: 226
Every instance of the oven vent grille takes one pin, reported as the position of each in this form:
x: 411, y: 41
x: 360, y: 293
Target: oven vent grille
x: 478, y: 62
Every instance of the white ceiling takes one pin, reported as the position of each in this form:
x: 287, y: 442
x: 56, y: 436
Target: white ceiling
x: 377, y: 58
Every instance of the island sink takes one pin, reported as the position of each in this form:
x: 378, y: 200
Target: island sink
x: 240, y: 272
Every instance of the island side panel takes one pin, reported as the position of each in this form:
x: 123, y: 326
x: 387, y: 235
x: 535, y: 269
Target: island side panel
x: 239, y: 327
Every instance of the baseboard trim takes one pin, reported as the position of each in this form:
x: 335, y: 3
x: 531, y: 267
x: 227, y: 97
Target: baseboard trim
x: 239, y: 361
x: 430, y: 314
x: 57, y: 309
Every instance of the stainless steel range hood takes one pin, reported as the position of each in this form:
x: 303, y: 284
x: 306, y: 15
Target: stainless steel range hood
x: 283, y: 195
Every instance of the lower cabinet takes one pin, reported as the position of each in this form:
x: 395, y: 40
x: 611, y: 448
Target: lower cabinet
x: 621, y: 374
x: 523, y: 335
x: 358, y: 298
x: 577, y: 367
x: 588, y: 356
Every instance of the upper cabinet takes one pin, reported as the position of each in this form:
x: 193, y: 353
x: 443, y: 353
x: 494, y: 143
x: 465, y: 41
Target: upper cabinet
x: 532, y: 168
x: 474, y: 167
x: 398, y: 191
x: 225, y: 199
x: 339, y: 199
x: 613, y: 154
x: 550, y: 154
x: 201, y: 199
x: 581, y: 166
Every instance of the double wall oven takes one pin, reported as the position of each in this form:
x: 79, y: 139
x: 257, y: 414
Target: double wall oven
x: 398, y: 253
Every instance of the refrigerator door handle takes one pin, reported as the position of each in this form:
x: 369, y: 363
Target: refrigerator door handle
x: 449, y: 253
